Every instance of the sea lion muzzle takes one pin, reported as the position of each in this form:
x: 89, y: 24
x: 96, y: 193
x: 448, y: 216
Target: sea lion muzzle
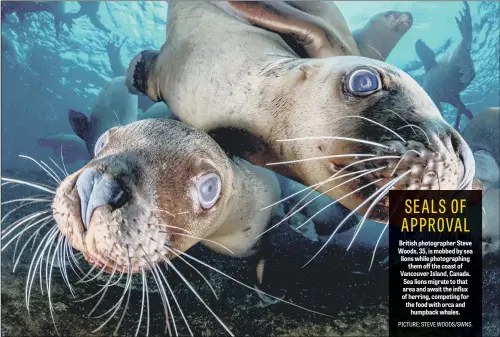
x: 138, y: 72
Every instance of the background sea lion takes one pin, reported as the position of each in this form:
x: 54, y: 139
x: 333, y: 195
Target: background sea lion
x: 249, y: 89
x: 71, y: 147
x: 114, y: 106
x: 491, y: 222
x: 382, y: 32
x: 89, y: 9
x: 483, y: 136
x: 446, y: 78
x: 56, y: 8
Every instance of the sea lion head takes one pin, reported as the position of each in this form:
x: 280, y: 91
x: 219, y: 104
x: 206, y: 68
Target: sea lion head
x: 153, y: 186
x: 426, y: 55
x: 382, y: 32
x: 349, y: 110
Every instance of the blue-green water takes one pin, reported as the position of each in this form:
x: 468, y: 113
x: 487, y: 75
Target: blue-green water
x: 43, y: 77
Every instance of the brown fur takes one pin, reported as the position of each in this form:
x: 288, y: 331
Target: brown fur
x: 158, y: 162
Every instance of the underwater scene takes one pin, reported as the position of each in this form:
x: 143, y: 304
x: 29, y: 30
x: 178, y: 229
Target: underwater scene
x: 222, y: 168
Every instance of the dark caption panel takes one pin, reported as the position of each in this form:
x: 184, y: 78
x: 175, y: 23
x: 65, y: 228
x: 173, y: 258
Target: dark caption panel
x: 435, y: 270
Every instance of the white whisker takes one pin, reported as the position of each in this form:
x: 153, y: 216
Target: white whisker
x: 376, y: 123
x: 418, y: 127
x: 335, y: 138
x: 403, y: 157
x: 62, y: 162
x: 376, y: 245
x: 21, y: 182
x: 201, y: 239
x: 319, y: 158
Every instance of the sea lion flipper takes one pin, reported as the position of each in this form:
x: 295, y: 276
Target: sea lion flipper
x: 79, y: 123
x: 465, y: 23
x: 98, y: 24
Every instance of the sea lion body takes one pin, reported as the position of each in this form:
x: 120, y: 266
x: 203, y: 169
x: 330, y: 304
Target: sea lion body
x: 248, y: 88
x: 483, y: 136
x: 149, y: 180
x: 381, y: 33
x: 70, y: 146
x: 491, y: 222
x: 114, y: 106
x: 445, y: 79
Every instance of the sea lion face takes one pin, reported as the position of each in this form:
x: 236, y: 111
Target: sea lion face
x: 152, y: 186
x: 366, y: 111
x: 397, y: 22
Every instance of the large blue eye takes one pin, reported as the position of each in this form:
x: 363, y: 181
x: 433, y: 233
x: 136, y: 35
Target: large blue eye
x: 101, y: 143
x: 363, y: 82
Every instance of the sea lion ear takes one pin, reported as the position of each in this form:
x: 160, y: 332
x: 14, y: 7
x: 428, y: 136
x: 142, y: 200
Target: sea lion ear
x: 79, y: 123
x: 138, y: 72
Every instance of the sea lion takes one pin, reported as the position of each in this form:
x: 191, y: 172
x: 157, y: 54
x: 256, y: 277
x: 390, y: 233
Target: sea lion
x: 483, y: 136
x: 114, y: 106
x: 249, y: 89
x: 446, y: 78
x: 89, y: 9
x: 56, y: 8
x: 71, y: 147
x: 157, y: 110
x: 153, y: 179
x: 382, y: 32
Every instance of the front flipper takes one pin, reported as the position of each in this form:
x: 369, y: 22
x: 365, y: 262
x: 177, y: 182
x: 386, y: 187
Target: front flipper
x: 311, y: 33
x: 465, y: 25
x: 80, y: 124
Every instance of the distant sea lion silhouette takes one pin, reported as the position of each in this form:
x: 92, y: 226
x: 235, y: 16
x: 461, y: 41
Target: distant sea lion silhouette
x: 483, y: 136
x: 89, y: 9
x: 70, y: 146
x: 445, y: 79
x: 383, y: 31
x: 56, y: 8
x: 114, y: 106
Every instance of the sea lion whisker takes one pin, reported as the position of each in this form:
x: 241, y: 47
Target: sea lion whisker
x: 47, y: 239
x: 171, y: 265
x: 164, y: 299
x: 82, y: 280
x: 119, y: 302
x: 404, y: 120
x: 175, y: 227
x: 348, y: 216
x: 62, y: 162
x: 22, y: 231
x: 34, y: 200
x: 58, y: 179
x: 21, y: 182
x: 321, y: 157
x: 49, y: 281
x: 335, y: 201
x: 202, y: 239
x: 331, y: 189
x: 117, y: 119
x: 199, y: 273
x: 19, y: 222
x: 418, y: 127
x: 307, y: 188
x: 59, y: 167
x: 44, y: 223
x: 32, y: 236
x: 381, y: 193
x: 175, y: 250
x: 376, y: 123
x: 147, y: 305
x: 62, y: 260
x: 402, y: 158
x: 375, y: 50
x: 356, y: 140
x: 41, y: 166
x: 129, y: 293
x: 72, y: 260
x: 103, y: 268
x: 376, y: 244
x: 144, y: 282
x: 310, y: 201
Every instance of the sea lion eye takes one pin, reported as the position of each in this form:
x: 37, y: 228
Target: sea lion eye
x: 363, y: 82
x: 208, y: 188
x: 101, y: 143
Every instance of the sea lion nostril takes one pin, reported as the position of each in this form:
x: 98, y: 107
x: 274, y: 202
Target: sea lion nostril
x: 96, y: 189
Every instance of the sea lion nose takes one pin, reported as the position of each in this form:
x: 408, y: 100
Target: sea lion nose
x: 96, y: 189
